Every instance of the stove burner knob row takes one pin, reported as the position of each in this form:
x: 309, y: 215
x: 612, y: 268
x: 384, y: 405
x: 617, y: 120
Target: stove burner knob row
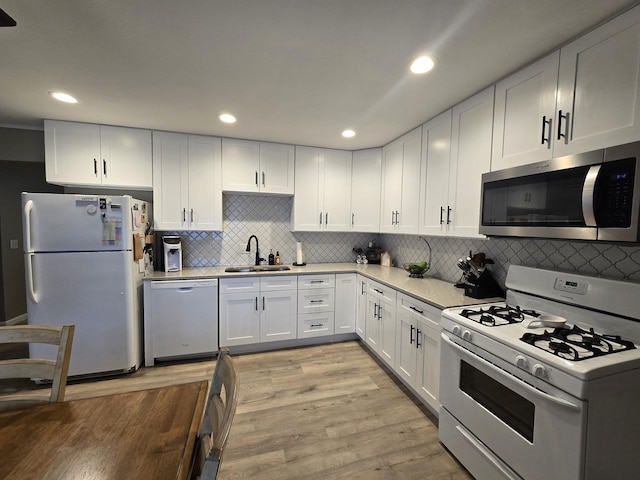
x: 522, y: 362
x: 540, y: 371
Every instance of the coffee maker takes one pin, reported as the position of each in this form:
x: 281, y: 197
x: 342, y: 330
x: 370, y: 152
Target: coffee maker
x: 172, y: 253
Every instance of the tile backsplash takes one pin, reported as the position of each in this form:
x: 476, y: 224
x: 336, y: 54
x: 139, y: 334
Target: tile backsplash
x: 267, y: 217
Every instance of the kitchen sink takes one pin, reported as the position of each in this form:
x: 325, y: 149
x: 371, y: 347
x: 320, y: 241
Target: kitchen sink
x: 257, y: 268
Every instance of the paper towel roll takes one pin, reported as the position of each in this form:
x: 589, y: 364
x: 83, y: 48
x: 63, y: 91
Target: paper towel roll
x: 299, y: 255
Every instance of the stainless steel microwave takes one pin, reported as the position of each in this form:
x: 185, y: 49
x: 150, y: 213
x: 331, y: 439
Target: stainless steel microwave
x: 589, y: 196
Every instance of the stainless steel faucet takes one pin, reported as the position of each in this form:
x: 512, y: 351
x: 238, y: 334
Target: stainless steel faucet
x: 258, y: 259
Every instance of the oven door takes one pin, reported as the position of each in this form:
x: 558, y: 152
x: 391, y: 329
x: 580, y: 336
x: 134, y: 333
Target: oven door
x: 492, y: 418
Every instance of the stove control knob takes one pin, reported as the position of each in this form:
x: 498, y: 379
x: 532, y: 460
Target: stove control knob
x: 522, y: 362
x: 457, y: 330
x: 539, y: 371
x: 466, y: 335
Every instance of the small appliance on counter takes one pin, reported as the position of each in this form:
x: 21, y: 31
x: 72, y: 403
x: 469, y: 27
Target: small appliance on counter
x: 172, y: 253
x: 477, y: 280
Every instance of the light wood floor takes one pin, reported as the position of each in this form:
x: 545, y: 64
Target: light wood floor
x: 321, y: 412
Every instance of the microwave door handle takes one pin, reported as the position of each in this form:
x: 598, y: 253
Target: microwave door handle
x: 588, y: 191
x: 557, y: 400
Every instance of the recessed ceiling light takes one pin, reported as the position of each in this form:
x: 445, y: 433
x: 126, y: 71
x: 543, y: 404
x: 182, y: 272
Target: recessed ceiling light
x: 348, y: 133
x: 63, y: 97
x: 227, y: 118
x: 422, y: 65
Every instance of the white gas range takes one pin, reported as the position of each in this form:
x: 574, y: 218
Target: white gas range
x: 544, y: 385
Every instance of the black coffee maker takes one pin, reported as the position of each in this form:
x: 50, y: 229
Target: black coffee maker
x: 477, y: 280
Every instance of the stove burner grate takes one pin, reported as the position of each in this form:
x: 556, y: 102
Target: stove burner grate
x: 497, y: 315
x: 576, y: 343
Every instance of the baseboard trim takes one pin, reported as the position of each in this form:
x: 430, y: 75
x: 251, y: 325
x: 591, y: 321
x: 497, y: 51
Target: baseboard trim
x: 20, y: 319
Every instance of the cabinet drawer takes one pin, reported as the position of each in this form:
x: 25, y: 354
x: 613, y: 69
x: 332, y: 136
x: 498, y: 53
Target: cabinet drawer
x: 316, y: 300
x: 418, y: 310
x: 239, y: 285
x: 278, y: 282
x: 315, y: 325
x: 387, y: 294
x: 316, y: 281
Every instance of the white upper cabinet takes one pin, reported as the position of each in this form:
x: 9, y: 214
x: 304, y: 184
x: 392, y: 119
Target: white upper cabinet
x: 471, y: 129
x: 456, y: 152
x: 399, y: 210
x: 365, y: 190
x: 322, y: 200
x: 187, y: 193
x: 84, y: 154
x: 583, y: 97
x: 434, y: 186
x: 524, y: 115
x: 599, y: 88
x: 257, y: 167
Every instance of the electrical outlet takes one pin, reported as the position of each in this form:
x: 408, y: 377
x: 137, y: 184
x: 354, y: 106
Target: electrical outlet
x: 13, y: 244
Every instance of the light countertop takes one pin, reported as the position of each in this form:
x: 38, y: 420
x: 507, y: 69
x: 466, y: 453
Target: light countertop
x: 433, y: 291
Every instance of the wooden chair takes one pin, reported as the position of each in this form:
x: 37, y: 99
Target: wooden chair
x: 218, y: 415
x: 54, y: 370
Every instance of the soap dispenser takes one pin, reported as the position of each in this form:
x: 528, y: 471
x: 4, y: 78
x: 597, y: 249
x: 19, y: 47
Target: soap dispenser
x: 271, y: 257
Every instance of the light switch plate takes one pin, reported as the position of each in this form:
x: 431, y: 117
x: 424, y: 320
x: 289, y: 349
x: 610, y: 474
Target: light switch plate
x: 13, y: 244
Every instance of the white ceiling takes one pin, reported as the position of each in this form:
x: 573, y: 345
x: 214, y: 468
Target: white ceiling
x: 292, y: 71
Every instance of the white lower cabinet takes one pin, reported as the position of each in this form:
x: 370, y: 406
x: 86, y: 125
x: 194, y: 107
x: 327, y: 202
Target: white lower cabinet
x: 345, y: 305
x: 380, y: 322
x: 257, y: 309
x: 316, y: 305
x: 361, y: 307
x: 418, y: 348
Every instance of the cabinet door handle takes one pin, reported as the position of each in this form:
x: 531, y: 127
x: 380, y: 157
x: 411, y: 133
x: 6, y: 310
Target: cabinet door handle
x: 353, y: 219
x: 263, y: 303
x: 564, y: 135
x: 362, y: 292
x: 256, y: 178
x: 320, y: 218
x: 397, y: 217
x: 546, y: 138
x: 256, y: 304
x: 263, y: 179
x: 184, y: 215
x: 375, y: 310
x: 411, y: 334
x: 326, y: 218
x: 418, y: 344
x: 95, y: 167
x: 104, y: 167
x: 421, y: 312
x: 448, y: 215
x: 192, y: 215
x: 393, y: 218
x: 441, y: 214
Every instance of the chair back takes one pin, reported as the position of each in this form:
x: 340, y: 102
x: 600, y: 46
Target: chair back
x: 38, y: 369
x: 218, y: 415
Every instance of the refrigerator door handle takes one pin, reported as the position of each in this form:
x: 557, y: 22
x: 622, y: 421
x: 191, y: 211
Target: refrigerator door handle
x: 30, y: 283
x: 28, y: 206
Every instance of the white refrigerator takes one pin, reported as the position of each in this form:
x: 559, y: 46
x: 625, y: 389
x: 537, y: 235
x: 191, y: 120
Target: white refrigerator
x: 80, y: 269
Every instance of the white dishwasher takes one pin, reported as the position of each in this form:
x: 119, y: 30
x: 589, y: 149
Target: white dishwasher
x: 181, y: 318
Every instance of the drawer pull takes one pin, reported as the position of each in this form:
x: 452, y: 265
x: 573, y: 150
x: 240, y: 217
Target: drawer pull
x: 316, y: 301
x: 421, y: 312
x: 378, y: 291
x: 316, y: 281
x: 314, y: 325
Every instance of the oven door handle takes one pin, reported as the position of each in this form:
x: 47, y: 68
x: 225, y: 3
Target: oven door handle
x: 558, y: 401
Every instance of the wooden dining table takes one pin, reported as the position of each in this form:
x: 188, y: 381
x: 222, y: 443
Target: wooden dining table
x: 147, y: 434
